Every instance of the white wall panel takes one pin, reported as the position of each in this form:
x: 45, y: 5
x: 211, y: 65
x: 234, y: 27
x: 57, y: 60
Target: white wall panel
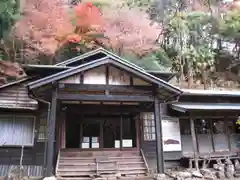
x: 75, y: 79
x: 118, y: 77
x: 95, y: 76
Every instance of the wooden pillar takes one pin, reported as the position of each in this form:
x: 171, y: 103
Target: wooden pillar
x: 51, y: 134
x: 101, y: 145
x: 211, y: 131
x: 121, y: 133
x: 194, y: 141
x: 158, y: 131
x: 137, y: 132
x: 63, y: 131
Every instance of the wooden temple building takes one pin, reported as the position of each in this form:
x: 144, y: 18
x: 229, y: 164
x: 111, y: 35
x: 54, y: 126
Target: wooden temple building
x: 100, y: 115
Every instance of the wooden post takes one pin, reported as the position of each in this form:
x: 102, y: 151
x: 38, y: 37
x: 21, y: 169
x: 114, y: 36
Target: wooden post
x: 158, y: 131
x: 194, y: 141
x: 137, y: 132
x: 63, y: 131
x: 51, y: 134
x: 211, y: 131
x: 101, y: 135
x: 81, y: 135
x: 121, y: 133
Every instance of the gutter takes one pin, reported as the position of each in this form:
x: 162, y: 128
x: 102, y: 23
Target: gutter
x: 31, y: 95
x: 177, y: 96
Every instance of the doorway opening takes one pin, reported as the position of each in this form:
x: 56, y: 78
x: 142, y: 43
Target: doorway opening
x: 101, y: 131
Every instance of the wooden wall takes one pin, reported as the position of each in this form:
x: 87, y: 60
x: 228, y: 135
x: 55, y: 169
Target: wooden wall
x: 16, y: 97
x: 149, y: 149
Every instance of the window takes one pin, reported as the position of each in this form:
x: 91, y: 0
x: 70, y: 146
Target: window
x: 234, y: 132
x: 149, y: 126
x: 187, y: 145
x: 17, y: 130
x: 42, y: 131
x: 203, y: 133
x: 220, y: 139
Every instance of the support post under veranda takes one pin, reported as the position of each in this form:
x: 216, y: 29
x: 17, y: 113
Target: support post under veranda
x: 194, y: 141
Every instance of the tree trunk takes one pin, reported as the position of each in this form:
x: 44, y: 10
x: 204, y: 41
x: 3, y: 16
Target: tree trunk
x: 181, y: 71
x: 204, y: 78
x: 190, y: 76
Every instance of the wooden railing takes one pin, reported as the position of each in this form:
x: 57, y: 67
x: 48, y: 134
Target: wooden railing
x: 144, y: 159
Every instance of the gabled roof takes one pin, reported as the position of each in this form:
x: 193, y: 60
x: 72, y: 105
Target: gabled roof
x: 46, y: 70
x: 173, y: 91
x: 92, y: 53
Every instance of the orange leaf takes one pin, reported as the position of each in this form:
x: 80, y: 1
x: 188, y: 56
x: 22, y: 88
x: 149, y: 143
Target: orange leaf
x: 74, y: 38
x: 88, y: 15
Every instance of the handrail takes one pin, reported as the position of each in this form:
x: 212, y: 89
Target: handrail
x: 96, y: 166
x: 144, y: 159
x: 58, y: 159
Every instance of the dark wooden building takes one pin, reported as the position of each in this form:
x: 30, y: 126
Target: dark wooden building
x: 86, y: 117
x: 98, y: 114
x: 213, y: 115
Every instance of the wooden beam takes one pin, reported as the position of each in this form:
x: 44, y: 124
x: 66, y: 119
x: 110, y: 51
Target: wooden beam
x: 95, y: 87
x: 88, y: 109
x: 51, y: 134
x: 158, y: 131
x: 90, y: 97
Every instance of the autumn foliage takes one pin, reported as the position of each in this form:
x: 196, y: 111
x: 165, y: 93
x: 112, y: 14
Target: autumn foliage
x: 48, y: 25
x: 87, y: 16
x: 88, y: 22
x: 131, y: 30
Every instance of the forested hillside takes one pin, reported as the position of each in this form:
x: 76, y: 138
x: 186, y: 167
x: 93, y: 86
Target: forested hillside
x: 197, y: 39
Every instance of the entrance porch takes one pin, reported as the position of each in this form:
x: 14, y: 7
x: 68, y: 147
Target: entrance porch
x: 100, y: 139
x: 99, y: 130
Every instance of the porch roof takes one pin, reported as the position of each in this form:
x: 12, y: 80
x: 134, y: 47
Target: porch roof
x: 189, y: 106
x: 223, y: 93
x: 166, y: 90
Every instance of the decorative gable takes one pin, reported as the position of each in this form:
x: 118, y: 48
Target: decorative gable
x: 102, y: 75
